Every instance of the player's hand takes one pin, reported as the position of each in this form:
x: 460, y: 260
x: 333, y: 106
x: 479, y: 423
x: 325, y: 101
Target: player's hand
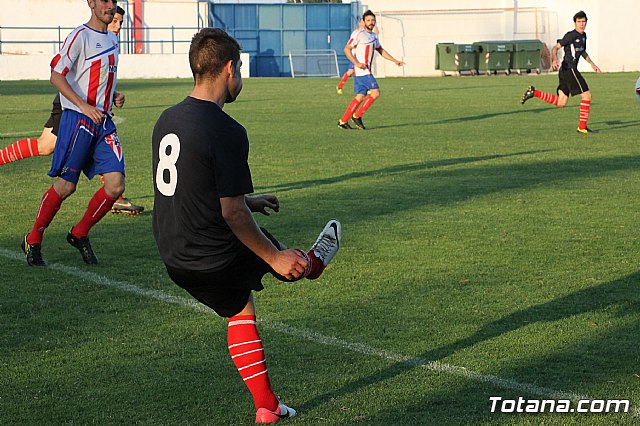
x: 261, y: 203
x: 399, y: 63
x: 92, y: 112
x: 118, y: 99
x: 361, y: 66
x: 555, y: 64
x: 290, y: 264
x: 596, y: 69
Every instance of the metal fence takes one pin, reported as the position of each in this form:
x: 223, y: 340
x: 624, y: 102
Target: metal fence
x: 48, y: 40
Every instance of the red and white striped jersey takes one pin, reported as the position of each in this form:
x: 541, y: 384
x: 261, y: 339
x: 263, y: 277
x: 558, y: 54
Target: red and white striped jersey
x: 364, y: 44
x: 89, y: 61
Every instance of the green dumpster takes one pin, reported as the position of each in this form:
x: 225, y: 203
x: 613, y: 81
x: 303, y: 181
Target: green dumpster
x: 456, y: 57
x: 494, y: 56
x: 526, y: 55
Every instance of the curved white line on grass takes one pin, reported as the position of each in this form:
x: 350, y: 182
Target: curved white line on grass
x: 319, y: 338
x: 117, y: 119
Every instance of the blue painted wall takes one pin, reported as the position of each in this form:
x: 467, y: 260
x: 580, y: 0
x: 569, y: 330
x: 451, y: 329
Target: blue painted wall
x: 269, y: 31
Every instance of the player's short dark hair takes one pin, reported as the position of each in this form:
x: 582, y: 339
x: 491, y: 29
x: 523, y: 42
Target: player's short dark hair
x: 120, y: 10
x: 210, y: 50
x: 368, y: 13
x: 579, y: 15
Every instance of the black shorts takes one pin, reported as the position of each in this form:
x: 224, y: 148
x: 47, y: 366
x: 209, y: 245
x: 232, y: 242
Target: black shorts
x: 571, y: 82
x: 54, y: 119
x: 227, y: 291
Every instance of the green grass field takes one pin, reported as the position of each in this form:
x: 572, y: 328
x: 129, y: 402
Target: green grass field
x: 488, y: 250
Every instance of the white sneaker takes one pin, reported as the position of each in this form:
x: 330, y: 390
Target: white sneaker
x: 328, y: 242
x: 267, y: 416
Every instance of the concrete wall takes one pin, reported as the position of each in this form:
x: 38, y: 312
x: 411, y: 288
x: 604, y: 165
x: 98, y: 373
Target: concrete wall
x: 405, y: 32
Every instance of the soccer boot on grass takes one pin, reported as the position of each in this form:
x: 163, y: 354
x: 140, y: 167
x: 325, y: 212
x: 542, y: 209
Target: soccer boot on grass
x: 528, y: 94
x: 84, y: 247
x: 33, y: 253
x: 125, y: 206
x: 586, y: 130
x: 339, y: 90
x: 326, y: 247
x: 358, y: 122
x: 344, y: 125
x: 267, y: 416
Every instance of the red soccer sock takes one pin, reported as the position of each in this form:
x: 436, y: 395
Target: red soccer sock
x: 368, y: 101
x: 317, y: 266
x: 585, y: 106
x: 49, y: 206
x: 345, y: 77
x: 247, y: 354
x: 350, y: 110
x: 99, y: 205
x: 24, y: 148
x: 547, y: 97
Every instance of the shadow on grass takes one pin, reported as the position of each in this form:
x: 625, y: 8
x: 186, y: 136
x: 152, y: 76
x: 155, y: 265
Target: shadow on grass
x: 593, y: 362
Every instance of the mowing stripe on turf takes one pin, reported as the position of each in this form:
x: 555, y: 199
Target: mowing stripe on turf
x: 319, y: 338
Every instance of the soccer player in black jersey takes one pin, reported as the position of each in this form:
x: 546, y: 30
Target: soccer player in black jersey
x: 572, y: 83
x: 202, y: 216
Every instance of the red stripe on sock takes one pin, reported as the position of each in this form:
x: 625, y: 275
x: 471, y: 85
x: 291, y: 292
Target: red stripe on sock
x: 547, y: 97
x: 368, y: 101
x: 350, y: 110
x: 247, y: 353
x: 49, y: 206
x: 99, y: 205
x: 585, y: 107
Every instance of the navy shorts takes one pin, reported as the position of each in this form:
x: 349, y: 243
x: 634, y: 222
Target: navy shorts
x: 364, y: 83
x: 84, y: 146
x: 227, y: 292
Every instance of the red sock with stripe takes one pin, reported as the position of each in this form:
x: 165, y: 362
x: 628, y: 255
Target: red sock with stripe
x: 24, y: 148
x: 345, y: 77
x: 585, y: 106
x: 247, y: 354
x: 49, y: 206
x: 99, y: 205
x: 350, y: 110
x: 547, y: 97
x: 368, y: 101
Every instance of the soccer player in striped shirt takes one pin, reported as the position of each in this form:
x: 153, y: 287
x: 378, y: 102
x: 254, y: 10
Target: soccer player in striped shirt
x: 572, y: 83
x: 43, y: 145
x: 360, y: 50
x: 84, y: 72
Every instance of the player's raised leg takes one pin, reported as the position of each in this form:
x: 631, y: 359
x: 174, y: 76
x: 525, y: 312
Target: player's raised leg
x: 324, y: 249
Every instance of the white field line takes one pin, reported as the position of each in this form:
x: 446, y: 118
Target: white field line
x: 313, y: 336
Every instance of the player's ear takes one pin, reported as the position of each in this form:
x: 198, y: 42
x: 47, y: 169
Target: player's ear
x: 230, y: 68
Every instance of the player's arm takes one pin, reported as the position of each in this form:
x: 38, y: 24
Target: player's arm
x: 593, y: 65
x: 260, y: 203
x: 239, y: 218
x: 60, y: 82
x: 349, y: 54
x: 388, y: 57
x: 555, y: 62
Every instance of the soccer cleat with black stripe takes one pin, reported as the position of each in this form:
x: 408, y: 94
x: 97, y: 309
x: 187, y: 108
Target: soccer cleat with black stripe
x: 84, y: 247
x: 327, y: 245
x: 342, y: 125
x: 264, y: 416
x: 528, y: 94
x: 33, y: 253
x: 358, y: 122
x: 586, y: 130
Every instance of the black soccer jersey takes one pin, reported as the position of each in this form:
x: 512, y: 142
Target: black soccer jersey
x: 199, y: 155
x: 575, y: 46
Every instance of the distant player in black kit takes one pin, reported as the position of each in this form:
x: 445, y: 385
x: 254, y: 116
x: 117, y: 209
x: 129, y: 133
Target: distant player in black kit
x: 571, y: 81
x: 202, y: 220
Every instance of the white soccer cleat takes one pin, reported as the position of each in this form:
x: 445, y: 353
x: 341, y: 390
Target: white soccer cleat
x: 267, y: 416
x: 328, y: 242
